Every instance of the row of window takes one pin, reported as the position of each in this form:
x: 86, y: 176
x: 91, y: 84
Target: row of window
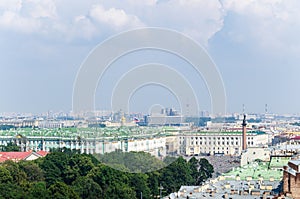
x: 219, y: 143
x: 214, y: 138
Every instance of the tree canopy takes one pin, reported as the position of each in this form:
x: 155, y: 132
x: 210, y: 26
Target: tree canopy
x: 68, y: 174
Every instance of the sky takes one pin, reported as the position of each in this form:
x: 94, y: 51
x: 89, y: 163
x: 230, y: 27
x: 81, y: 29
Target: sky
x: 255, y: 45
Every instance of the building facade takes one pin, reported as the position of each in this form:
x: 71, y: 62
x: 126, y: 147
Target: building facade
x: 224, y: 143
x: 291, y: 179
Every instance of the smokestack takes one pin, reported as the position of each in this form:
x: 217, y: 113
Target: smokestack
x: 244, y: 146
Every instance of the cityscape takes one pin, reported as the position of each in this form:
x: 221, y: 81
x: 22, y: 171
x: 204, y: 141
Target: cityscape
x: 252, y: 154
x: 151, y: 99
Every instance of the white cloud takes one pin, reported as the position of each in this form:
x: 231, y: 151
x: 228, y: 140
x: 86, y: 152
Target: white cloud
x: 25, y: 16
x: 116, y: 18
x: 39, y: 9
x: 270, y: 23
x: 200, y: 19
x: 273, y: 25
x: 12, y: 20
x: 11, y: 5
x: 82, y: 27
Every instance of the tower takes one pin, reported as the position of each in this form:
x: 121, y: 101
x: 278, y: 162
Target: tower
x: 244, y: 124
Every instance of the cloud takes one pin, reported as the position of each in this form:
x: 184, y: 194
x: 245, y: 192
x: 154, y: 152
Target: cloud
x: 115, y: 18
x: 10, y: 5
x: 13, y: 21
x: 26, y: 16
x: 273, y: 25
x: 200, y: 19
x: 39, y: 9
x: 267, y: 23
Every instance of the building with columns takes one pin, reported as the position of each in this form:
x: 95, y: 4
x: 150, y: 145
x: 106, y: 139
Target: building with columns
x: 224, y: 143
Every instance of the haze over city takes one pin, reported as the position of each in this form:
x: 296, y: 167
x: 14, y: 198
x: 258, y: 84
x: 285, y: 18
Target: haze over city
x: 254, y: 44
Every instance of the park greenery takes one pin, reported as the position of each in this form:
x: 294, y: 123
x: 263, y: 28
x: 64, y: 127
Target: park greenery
x: 67, y: 174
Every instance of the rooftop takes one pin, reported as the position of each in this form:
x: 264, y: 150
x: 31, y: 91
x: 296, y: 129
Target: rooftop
x: 226, y: 132
x: 255, y: 171
x: 232, y: 189
x: 295, y: 162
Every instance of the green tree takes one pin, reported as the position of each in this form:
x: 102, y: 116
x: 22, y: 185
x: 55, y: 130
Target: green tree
x: 82, y: 163
x: 54, y: 166
x: 86, y: 188
x: 38, y: 190
x: 5, y: 176
x: 135, y: 162
x: 153, y: 183
x: 9, y: 191
x: 60, y: 190
x: 139, y: 183
x: 108, y: 177
x: 33, y: 172
x: 120, y: 190
x: 10, y: 147
x: 193, y: 165
x: 205, y: 170
x: 18, y: 175
x: 175, y: 175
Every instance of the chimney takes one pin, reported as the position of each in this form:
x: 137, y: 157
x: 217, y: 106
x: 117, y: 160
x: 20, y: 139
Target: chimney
x: 244, y: 146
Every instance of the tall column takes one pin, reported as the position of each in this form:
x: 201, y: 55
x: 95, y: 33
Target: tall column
x: 244, y: 146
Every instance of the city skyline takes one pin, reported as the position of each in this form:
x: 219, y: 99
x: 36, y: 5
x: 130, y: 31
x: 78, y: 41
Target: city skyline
x: 254, y: 45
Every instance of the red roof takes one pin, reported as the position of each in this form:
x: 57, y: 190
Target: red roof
x: 14, y: 156
x: 17, y: 156
x: 296, y: 138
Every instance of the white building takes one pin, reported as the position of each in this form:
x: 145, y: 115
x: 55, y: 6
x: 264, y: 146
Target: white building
x: 227, y: 143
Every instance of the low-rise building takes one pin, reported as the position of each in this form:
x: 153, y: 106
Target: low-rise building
x: 18, y: 156
x: 253, y: 153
